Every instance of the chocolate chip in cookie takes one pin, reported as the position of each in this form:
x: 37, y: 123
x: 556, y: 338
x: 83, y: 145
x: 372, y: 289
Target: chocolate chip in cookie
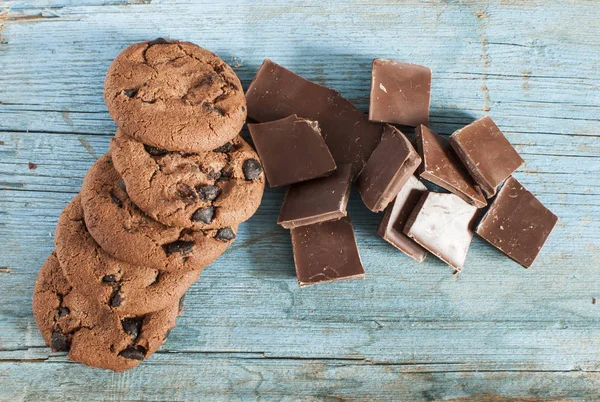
x: 59, y: 342
x: 132, y: 326
x: 154, y: 151
x: 252, y: 169
x: 225, y: 149
x: 208, y: 193
x: 180, y: 246
x: 225, y: 234
x: 136, y: 352
x: 205, y: 214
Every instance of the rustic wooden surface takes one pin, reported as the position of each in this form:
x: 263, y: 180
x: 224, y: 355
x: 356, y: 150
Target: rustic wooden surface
x: 408, y: 331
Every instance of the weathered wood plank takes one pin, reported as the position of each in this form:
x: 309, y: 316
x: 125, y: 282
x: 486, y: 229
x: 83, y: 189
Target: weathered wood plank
x: 180, y: 377
x: 408, y: 331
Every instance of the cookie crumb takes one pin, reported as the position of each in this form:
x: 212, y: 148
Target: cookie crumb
x: 32, y: 166
x: 594, y: 301
x: 6, y: 270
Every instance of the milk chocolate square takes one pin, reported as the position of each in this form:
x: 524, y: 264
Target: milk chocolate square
x: 487, y: 153
x: 517, y: 223
x: 400, y: 93
x: 326, y: 252
x: 442, y: 224
x: 442, y: 167
x: 390, y: 166
x: 292, y: 150
x: 277, y: 92
x: 396, y: 215
x: 317, y: 200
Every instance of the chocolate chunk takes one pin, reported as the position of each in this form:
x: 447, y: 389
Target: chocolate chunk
x: 59, y: 342
x: 252, y: 169
x: 116, y: 298
x: 132, y: 326
x: 136, y: 352
x: 186, y: 192
x: 212, y: 175
x: 326, y: 252
x: 130, y: 93
x: 155, y: 151
x: 225, y: 174
x: 63, y: 311
x: 276, y: 93
x: 400, y: 93
x: 115, y: 200
x: 317, y: 200
x: 214, y: 109
x: 442, y: 167
x: 32, y: 166
x: 442, y: 224
x: 180, y: 246
x: 205, y: 215
x: 517, y: 223
x: 109, y: 278
x: 292, y: 150
x: 390, y: 166
x: 158, y: 41
x: 181, y: 300
x: 208, y: 193
x: 225, y: 149
x: 396, y: 215
x: 225, y: 234
x: 487, y: 153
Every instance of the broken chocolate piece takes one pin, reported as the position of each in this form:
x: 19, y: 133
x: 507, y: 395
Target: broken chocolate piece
x: 400, y: 93
x: 326, y: 252
x: 276, y: 93
x: 395, y: 217
x: 442, y: 167
x: 390, y: 166
x: 317, y: 200
x: 442, y: 224
x: 517, y: 223
x: 292, y: 150
x: 487, y: 153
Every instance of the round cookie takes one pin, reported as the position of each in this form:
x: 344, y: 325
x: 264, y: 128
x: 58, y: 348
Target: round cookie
x: 193, y: 190
x: 122, y: 287
x: 93, y: 334
x: 126, y: 233
x: 175, y: 95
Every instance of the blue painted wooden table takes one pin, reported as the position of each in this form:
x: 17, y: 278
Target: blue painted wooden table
x: 408, y: 331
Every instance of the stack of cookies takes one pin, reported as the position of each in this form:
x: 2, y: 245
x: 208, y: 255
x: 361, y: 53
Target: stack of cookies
x: 162, y: 205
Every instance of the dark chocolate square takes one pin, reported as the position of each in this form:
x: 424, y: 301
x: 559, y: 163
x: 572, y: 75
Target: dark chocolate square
x: 317, y: 200
x: 400, y: 93
x: 390, y: 166
x: 326, y: 252
x: 517, y: 223
x: 486, y: 152
x: 292, y: 150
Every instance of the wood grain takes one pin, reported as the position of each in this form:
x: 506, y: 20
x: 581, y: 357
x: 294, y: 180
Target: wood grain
x: 408, y: 331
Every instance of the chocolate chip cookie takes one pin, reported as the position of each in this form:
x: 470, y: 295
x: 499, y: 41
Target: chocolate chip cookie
x: 175, y: 95
x: 123, y: 287
x: 94, y: 334
x: 206, y: 190
x: 126, y: 233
